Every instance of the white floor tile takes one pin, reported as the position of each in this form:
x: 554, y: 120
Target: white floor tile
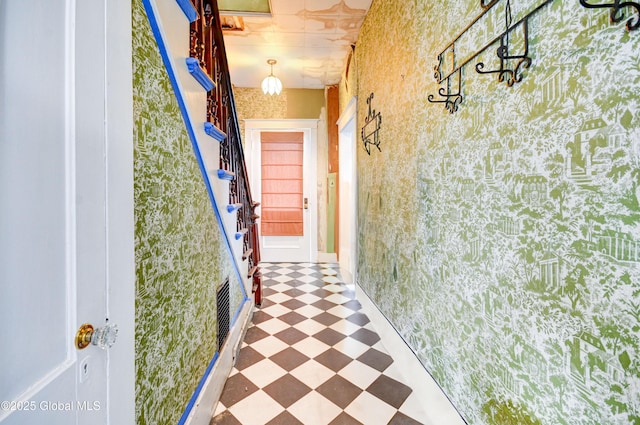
x: 337, y: 298
x: 309, y: 311
x: 275, y: 310
x: 257, y: 409
x: 269, y: 346
x: 340, y: 311
x: 264, y: 372
x: 351, y: 347
x: 345, y: 327
x: 359, y: 374
x: 393, y: 371
x: 306, y: 279
x: 311, y: 347
x: 273, y: 326
x: 314, y: 409
x: 283, y: 278
x: 415, y: 408
x: 279, y: 297
x: 369, y: 409
x: 332, y: 280
x: 310, y: 326
x: 219, y: 409
x: 308, y: 288
x: 312, y: 373
x: 279, y: 287
x: 308, y: 298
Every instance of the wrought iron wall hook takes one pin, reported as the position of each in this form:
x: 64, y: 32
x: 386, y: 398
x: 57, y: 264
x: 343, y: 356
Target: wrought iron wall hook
x: 451, y: 100
x: 510, y: 76
x: 504, y: 74
x: 616, y: 15
x: 437, y: 73
x: 372, y: 123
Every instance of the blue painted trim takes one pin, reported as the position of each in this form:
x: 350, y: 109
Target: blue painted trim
x: 187, y: 7
x: 233, y: 207
x: 214, y: 132
x: 198, y: 73
x: 241, y: 233
x: 226, y: 175
x: 192, y: 136
x: 196, y: 393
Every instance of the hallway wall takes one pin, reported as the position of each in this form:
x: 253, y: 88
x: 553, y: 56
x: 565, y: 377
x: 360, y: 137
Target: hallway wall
x: 503, y: 241
x: 181, y: 257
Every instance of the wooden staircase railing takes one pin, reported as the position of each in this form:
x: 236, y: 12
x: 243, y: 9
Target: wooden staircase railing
x: 207, y: 46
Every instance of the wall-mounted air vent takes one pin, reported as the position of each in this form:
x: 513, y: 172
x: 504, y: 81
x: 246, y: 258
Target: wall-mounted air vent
x: 224, y: 312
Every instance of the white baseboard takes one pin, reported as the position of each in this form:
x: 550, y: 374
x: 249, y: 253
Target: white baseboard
x: 437, y: 407
x: 205, y: 404
x: 327, y: 257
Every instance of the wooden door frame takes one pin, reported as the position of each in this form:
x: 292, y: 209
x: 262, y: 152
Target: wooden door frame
x: 120, y: 209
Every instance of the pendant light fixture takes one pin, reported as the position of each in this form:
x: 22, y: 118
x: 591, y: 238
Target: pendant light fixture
x: 271, y: 84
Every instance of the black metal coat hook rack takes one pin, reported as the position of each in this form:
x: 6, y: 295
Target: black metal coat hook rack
x: 371, y: 127
x: 450, y: 69
x: 617, y: 11
x: 510, y: 65
x: 505, y: 74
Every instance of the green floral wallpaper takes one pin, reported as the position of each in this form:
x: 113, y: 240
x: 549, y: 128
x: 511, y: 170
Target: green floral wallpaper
x: 503, y: 241
x: 252, y: 103
x: 180, y: 254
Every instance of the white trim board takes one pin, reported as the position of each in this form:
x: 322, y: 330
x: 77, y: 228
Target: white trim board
x: 438, y: 408
x: 348, y: 192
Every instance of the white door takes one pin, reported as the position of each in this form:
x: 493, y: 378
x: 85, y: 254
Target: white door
x: 285, y: 245
x: 348, y: 192
x: 66, y: 220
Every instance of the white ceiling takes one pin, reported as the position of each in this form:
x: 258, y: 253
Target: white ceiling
x: 310, y: 39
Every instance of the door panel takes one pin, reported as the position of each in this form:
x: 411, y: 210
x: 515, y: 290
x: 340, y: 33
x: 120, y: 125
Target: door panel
x: 282, y: 184
x: 54, y: 265
x: 35, y: 219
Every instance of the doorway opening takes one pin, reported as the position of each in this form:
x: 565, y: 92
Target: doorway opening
x: 281, y: 158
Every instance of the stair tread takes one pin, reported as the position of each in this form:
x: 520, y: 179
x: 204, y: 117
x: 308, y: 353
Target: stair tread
x: 234, y: 207
x: 226, y: 175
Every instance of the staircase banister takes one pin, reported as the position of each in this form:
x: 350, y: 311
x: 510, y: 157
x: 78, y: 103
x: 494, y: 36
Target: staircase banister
x: 208, y: 49
x: 226, y: 79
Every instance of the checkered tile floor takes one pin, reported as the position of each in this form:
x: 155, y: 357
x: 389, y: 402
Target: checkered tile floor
x: 311, y: 357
